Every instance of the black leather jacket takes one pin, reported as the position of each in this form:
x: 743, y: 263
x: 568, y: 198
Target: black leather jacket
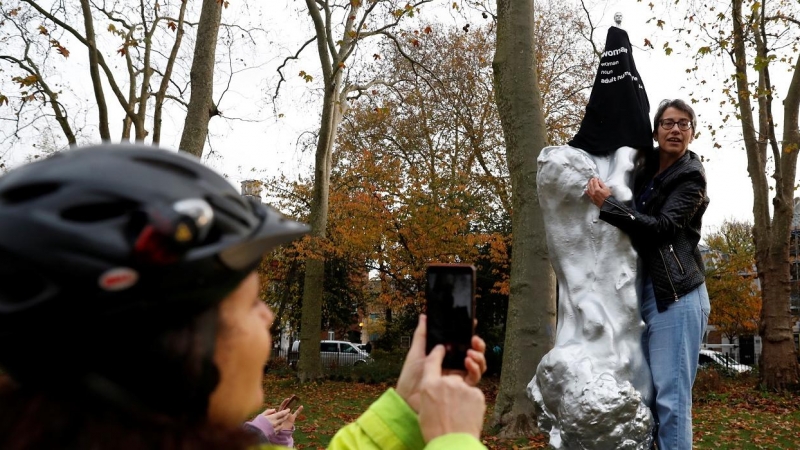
x: 667, y: 232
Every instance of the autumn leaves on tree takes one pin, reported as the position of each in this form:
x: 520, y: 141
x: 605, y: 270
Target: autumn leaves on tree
x: 732, y: 280
x: 417, y: 175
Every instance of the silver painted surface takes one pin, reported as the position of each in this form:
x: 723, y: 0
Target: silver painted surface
x: 592, y: 389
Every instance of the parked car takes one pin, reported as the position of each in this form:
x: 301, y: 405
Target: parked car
x: 722, y: 361
x: 334, y: 353
x: 365, y: 347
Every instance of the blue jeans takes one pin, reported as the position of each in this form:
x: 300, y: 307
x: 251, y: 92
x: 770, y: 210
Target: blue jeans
x: 671, y: 342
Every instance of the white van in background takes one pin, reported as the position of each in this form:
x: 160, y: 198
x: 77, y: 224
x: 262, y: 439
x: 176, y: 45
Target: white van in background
x: 334, y: 354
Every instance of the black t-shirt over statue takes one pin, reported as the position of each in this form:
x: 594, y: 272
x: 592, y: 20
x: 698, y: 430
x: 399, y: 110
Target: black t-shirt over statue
x: 618, y: 111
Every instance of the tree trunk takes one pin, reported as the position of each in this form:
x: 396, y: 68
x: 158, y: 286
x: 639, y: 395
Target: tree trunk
x: 94, y: 71
x: 144, y: 89
x: 309, y: 365
x: 531, y: 323
x: 201, y: 107
x: 132, y: 120
x: 784, y: 350
x: 778, y: 363
x: 779, y: 368
x: 162, y: 89
x: 127, y: 124
x: 331, y: 62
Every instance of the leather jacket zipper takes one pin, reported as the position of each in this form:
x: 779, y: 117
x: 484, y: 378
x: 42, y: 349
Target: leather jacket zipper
x: 625, y: 213
x: 671, y: 250
x: 668, y: 275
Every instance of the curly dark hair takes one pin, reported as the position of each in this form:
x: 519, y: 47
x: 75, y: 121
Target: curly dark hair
x: 131, y: 389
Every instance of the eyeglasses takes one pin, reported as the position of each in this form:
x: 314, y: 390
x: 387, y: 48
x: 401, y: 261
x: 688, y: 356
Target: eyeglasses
x: 667, y: 124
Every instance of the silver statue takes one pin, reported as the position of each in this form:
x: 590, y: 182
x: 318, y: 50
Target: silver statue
x: 618, y: 19
x: 592, y: 390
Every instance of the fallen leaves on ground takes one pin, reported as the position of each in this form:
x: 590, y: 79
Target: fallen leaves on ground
x: 327, y: 405
x: 737, y: 415
x: 732, y: 415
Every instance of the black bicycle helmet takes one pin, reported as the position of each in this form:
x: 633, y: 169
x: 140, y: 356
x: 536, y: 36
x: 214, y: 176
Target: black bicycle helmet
x: 121, y: 231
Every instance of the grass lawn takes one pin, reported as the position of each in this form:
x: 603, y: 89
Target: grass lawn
x: 731, y: 413
x: 728, y: 413
x: 327, y: 406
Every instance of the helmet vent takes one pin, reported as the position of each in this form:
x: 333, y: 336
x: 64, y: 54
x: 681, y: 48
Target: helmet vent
x: 98, y: 212
x: 231, y: 205
x: 168, y: 166
x: 29, y: 192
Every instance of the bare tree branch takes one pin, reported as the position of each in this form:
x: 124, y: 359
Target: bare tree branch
x: 285, y: 61
x: 178, y: 100
x: 590, y: 37
x: 100, y: 59
x: 94, y: 72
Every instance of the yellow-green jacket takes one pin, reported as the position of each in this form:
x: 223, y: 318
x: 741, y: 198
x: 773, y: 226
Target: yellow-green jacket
x: 390, y: 424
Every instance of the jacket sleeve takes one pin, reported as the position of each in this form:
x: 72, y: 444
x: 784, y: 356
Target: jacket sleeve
x: 681, y: 205
x: 390, y: 424
x: 267, y: 433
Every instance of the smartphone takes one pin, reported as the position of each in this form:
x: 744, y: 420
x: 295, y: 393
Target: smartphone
x: 450, y: 307
x: 289, y: 402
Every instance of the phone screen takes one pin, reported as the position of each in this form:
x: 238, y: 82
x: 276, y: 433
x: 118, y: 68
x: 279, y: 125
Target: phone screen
x: 450, y: 298
x: 289, y: 402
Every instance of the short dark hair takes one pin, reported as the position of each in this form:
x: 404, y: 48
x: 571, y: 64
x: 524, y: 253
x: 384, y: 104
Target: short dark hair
x: 677, y: 104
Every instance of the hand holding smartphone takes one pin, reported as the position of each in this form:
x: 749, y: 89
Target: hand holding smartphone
x: 289, y: 402
x: 450, y: 307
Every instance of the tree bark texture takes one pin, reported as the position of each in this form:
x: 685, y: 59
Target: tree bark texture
x: 771, y: 235
x: 309, y: 364
x: 94, y: 71
x: 531, y: 323
x: 201, y: 106
x: 162, y: 89
x: 144, y: 88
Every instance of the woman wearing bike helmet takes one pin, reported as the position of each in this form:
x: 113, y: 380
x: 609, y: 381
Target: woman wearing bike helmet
x: 130, y: 316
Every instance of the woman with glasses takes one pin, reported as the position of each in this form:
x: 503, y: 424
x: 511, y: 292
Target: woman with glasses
x: 664, y: 227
